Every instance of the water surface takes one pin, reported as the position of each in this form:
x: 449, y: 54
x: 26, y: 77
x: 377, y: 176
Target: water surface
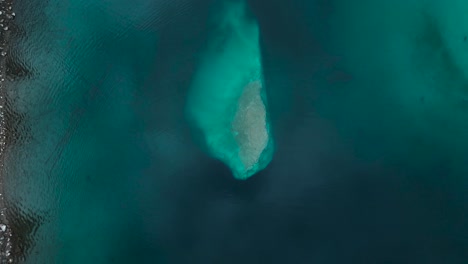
x: 366, y: 106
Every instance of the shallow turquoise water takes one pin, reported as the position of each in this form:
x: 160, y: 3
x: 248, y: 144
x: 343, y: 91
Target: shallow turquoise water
x: 227, y: 100
x: 366, y: 106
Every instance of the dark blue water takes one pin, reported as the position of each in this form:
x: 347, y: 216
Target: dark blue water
x: 366, y: 105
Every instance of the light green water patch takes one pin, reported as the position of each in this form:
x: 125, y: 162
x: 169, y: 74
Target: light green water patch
x: 227, y: 98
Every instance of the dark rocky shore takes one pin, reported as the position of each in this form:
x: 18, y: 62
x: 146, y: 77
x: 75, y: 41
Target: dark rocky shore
x: 9, y: 120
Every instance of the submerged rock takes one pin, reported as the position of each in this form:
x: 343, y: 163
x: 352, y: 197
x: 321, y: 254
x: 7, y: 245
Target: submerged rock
x: 226, y: 102
x: 251, y: 131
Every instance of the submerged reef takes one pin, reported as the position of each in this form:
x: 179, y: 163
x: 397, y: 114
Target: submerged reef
x: 227, y: 102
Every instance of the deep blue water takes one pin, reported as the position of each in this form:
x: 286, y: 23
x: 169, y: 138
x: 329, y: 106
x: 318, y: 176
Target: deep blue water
x: 367, y: 107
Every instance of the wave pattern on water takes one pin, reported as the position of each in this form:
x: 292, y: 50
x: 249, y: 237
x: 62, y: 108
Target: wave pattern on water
x: 7, y: 230
x: 367, y: 110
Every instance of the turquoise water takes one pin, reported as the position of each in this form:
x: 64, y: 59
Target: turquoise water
x: 127, y: 132
x: 228, y: 79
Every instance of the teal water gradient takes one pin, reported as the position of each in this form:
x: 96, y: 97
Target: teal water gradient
x: 82, y: 149
x: 366, y: 105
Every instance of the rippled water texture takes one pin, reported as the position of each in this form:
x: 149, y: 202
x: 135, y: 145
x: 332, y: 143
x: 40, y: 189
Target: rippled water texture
x: 129, y: 123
